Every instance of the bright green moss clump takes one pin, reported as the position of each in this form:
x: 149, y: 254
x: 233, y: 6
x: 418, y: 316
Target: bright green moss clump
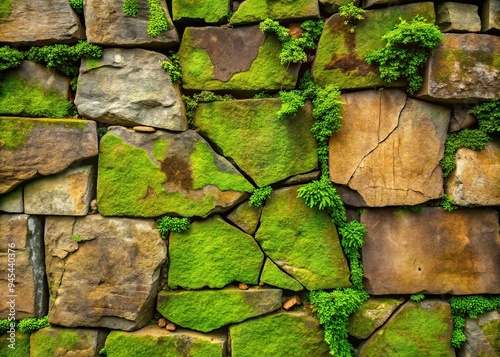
x: 10, y: 58
x: 5, y: 8
x: 22, y: 345
x: 50, y: 341
x: 211, y: 12
x: 252, y: 11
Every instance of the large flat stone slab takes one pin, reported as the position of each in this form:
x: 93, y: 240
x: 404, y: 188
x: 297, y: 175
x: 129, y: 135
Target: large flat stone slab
x: 32, y: 147
x: 58, y: 341
x: 434, y: 252
x: 102, y: 272
x: 191, y: 11
x: 252, y: 11
x: 457, y: 17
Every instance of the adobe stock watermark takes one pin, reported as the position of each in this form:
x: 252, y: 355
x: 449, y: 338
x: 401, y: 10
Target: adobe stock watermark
x: 11, y: 294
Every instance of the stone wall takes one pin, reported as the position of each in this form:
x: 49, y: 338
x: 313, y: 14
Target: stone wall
x: 80, y: 196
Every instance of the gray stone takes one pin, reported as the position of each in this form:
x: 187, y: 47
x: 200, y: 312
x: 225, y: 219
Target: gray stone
x: 460, y: 119
x: 457, y: 17
x: 102, y: 272
x: 12, y: 202
x: 483, y: 336
x: 113, y: 90
x: 58, y: 341
x: 302, y: 178
x: 491, y: 16
x: 50, y: 79
x: 68, y: 193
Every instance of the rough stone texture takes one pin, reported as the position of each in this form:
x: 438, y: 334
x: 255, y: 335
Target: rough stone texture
x: 212, y: 253
x: 483, y: 336
x: 340, y: 57
x: 460, y: 119
x: 40, y: 23
x: 371, y: 3
x: 246, y: 217
x: 32, y: 147
x: 23, y: 235
x: 302, y: 178
x: 284, y: 334
x: 192, y: 11
x: 284, y: 147
x: 49, y: 79
x: 22, y: 345
x: 302, y: 241
x: 207, y: 310
x: 332, y: 6
x: 113, y: 90
x: 272, y: 275
x: 252, y: 11
x: 491, y: 16
x: 371, y: 315
x: 241, y: 59
x: 389, y: 148
x: 150, y: 175
x: 153, y: 341
x: 58, y: 341
x: 434, y: 251
x: 422, y: 329
x: 457, y: 17
x: 476, y: 179
x: 68, y: 193
x: 12, y: 202
x: 102, y: 272
x: 107, y: 24
x: 464, y: 68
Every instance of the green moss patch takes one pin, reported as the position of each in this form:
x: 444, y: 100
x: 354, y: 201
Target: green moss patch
x: 52, y: 341
x: 212, y: 12
x: 491, y: 332
x: 213, y: 253
x: 274, y: 276
x: 22, y: 345
x: 252, y: 11
x: 5, y: 9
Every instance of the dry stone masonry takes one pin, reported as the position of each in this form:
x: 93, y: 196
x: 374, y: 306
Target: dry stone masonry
x: 90, y: 164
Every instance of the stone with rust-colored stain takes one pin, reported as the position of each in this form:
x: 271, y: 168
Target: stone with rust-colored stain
x: 476, y: 179
x: 102, y: 272
x: 483, y: 336
x: 434, y: 251
x: 58, y: 341
x: 389, y: 148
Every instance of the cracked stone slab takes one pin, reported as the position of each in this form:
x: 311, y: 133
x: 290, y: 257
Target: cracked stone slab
x: 389, y: 148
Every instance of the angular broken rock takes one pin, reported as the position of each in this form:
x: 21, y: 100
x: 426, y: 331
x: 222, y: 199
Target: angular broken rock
x: 389, y: 148
x: 113, y: 90
x: 153, y: 174
x: 483, y: 335
x: 456, y: 17
x: 433, y: 251
x: 102, y: 272
x: 33, y: 147
x: 40, y: 23
x: 57, y: 341
x: 12, y: 202
x: 491, y: 16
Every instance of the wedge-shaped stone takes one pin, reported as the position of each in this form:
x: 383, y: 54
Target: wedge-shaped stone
x: 464, y: 68
x: 274, y: 276
x: 57, y: 341
x: 207, y: 310
x: 242, y: 59
x: 113, y: 90
x: 279, y: 148
x: 252, y: 11
x: 212, y: 253
x: 39, y: 23
x: 340, y: 58
x: 12, y: 202
x: 245, y: 217
x: 434, y: 251
x: 102, y: 272
x: 483, y: 336
x: 302, y: 241
x: 389, y: 148
x: 422, y: 329
x: 149, y: 175
x: 153, y: 341
x: 33, y: 147
x: 491, y: 16
x: 192, y: 11
x: 107, y: 24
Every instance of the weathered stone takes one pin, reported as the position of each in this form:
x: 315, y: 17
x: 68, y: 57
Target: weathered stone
x: 67, y: 194
x: 340, y: 57
x: 302, y: 178
x: 207, y: 310
x: 246, y: 217
x: 241, y: 59
x: 22, y: 344
x: 284, y: 147
x: 107, y: 24
x: 372, y: 3
x: 274, y: 276
x: 284, y: 334
x: 58, y: 341
x: 476, y: 178
x: 252, y: 11
x: 371, y: 315
x: 39, y: 23
x: 212, y: 253
x: 491, y: 16
x: 144, y: 129
x: 460, y: 119
x: 457, y: 17
x: 33, y: 90
x: 389, y: 148
x: 302, y: 241
x: 112, y: 90
x: 152, y: 341
x: 210, y: 12
x: 422, y: 329
x: 21, y: 248
x: 102, y: 272
x: 433, y: 251
x: 150, y: 175
x: 12, y: 202
x: 332, y: 6
x: 483, y: 336
x: 32, y: 147
x: 464, y: 68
